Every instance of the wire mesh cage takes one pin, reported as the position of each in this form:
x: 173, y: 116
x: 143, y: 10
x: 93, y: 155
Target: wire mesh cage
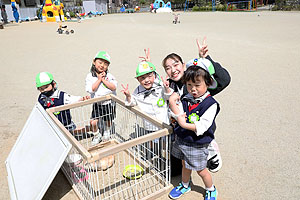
x: 118, y: 152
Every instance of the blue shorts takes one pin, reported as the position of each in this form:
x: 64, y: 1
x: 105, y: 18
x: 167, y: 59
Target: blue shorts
x: 194, y: 155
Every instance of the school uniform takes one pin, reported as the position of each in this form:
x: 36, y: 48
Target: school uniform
x: 105, y: 109
x: 59, y: 98
x: 152, y: 101
x: 192, y: 146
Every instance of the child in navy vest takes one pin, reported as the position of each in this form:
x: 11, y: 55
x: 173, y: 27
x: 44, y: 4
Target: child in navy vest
x: 50, y: 96
x: 194, y: 130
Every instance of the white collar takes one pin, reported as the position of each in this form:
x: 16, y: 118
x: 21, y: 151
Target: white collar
x: 200, y: 99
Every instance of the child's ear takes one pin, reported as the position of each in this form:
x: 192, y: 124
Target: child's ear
x: 54, y: 85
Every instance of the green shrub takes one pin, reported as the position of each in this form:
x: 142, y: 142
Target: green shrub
x: 220, y: 7
x: 195, y: 8
x: 72, y: 14
x: 275, y: 8
x: 39, y: 13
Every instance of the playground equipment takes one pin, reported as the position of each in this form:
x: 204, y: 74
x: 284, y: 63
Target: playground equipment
x: 15, y: 10
x: 161, y: 6
x: 53, y: 12
x: 249, y: 5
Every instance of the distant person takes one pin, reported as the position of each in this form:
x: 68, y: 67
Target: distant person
x: 99, y: 82
x: 15, y: 11
x: 68, y: 15
x: 78, y: 17
x: 4, y: 14
x: 176, y: 18
x: 50, y: 97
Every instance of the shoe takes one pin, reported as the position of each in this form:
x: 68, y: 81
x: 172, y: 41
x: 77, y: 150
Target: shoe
x: 97, y: 139
x: 106, y: 135
x: 211, y: 195
x: 178, y: 191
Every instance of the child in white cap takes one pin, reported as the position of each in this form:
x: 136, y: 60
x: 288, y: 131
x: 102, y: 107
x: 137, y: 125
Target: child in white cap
x: 99, y: 82
x: 194, y: 130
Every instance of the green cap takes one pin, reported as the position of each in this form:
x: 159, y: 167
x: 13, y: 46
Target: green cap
x: 144, y: 68
x: 103, y: 55
x: 43, y: 78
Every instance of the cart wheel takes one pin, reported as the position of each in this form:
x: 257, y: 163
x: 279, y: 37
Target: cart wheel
x: 67, y: 32
x: 72, y: 31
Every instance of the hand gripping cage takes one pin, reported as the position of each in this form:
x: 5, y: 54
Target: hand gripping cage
x: 133, y: 162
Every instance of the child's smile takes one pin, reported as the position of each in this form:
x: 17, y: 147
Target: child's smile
x: 147, y: 80
x: 101, y: 65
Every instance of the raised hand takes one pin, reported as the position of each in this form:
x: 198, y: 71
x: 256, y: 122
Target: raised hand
x: 166, y: 82
x: 202, y: 48
x: 147, y: 55
x: 125, y: 90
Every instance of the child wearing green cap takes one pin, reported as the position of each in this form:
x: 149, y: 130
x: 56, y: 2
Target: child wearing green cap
x: 151, y: 96
x: 99, y: 82
x: 152, y: 93
x: 50, y: 96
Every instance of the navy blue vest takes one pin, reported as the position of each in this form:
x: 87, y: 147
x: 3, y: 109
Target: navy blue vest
x: 63, y: 116
x: 190, y: 136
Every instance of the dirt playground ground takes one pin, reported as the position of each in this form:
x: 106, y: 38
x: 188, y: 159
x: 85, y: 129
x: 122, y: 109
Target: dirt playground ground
x: 257, y: 128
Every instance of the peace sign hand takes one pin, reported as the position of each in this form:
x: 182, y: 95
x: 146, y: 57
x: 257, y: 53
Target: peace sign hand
x: 166, y: 82
x: 147, y: 55
x: 202, y: 49
x: 125, y: 91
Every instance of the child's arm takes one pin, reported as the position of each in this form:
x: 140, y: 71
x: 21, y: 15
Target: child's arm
x: 174, y: 98
x: 68, y: 99
x: 109, y: 84
x: 205, y: 121
x: 98, y: 82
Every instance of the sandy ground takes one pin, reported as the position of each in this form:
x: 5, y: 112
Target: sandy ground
x: 258, y: 127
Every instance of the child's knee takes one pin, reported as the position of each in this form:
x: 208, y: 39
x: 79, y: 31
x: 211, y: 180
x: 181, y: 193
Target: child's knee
x: 203, y: 172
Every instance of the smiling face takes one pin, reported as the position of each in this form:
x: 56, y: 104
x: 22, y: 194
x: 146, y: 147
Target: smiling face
x: 147, y: 80
x: 197, y: 88
x: 174, y: 69
x: 101, y: 65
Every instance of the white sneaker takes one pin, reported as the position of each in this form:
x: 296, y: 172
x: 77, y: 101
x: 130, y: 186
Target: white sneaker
x: 97, y: 139
x: 106, y: 135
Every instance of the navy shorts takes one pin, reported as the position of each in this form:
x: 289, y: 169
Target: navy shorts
x: 106, y: 112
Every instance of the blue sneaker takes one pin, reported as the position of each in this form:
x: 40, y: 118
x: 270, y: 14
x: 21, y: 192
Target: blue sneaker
x: 211, y: 195
x: 178, y: 191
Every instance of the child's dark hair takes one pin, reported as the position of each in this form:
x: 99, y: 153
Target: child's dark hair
x: 93, y: 69
x: 193, y: 72
x: 172, y: 56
